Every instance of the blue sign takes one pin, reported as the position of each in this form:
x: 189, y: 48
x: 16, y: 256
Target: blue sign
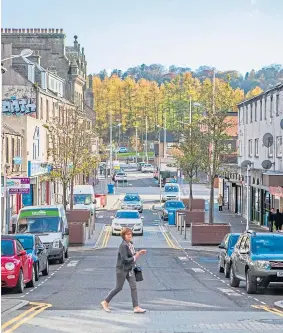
x: 27, y: 199
x: 17, y: 160
x: 38, y: 168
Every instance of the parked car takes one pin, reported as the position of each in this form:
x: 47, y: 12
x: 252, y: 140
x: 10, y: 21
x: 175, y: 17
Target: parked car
x: 120, y: 176
x: 132, y: 201
x: 147, y: 168
x: 127, y: 218
x: 171, y: 206
x: 122, y: 150
x: 36, y: 249
x: 226, y: 250
x: 50, y: 224
x: 17, y: 270
x: 140, y: 165
x: 257, y: 259
x: 171, y: 192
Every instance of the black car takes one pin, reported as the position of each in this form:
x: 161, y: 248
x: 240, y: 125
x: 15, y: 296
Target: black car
x: 226, y: 250
x: 36, y: 249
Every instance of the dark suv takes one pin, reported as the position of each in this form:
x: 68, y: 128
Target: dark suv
x: 258, y: 260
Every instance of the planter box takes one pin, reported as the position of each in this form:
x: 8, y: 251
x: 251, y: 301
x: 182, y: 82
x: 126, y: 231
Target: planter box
x: 79, y: 215
x: 197, y: 204
x: 209, y: 234
x: 193, y: 217
x: 77, y: 233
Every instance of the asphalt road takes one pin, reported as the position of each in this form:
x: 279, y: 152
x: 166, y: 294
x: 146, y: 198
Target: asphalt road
x: 182, y: 291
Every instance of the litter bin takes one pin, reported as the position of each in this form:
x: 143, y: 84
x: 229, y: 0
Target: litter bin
x: 111, y: 188
x: 171, y: 218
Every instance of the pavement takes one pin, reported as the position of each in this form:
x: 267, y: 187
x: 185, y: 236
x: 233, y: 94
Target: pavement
x: 182, y: 290
x: 9, y: 305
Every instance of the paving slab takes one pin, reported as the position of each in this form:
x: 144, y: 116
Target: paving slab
x: 11, y: 304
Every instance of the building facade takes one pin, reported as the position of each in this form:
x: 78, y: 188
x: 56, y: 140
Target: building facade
x: 260, y: 132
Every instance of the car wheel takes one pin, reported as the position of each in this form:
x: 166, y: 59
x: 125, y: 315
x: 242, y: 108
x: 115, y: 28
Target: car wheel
x: 36, y: 269
x: 67, y: 254
x: 62, y: 259
x: 220, y: 268
x: 46, y: 270
x: 234, y: 281
x: 20, y: 284
x: 251, y: 286
x: 31, y: 283
x: 227, y: 270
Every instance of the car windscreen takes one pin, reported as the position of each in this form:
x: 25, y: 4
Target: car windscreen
x: 7, y: 247
x: 27, y: 242
x: 82, y: 199
x: 127, y: 215
x: 267, y: 244
x: 39, y: 224
x: 174, y: 204
x: 233, y: 240
x: 171, y: 188
x: 132, y: 198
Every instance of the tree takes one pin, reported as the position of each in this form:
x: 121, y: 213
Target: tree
x: 254, y: 92
x: 70, y: 148
x: 189, y: 155
x: 217, y: 99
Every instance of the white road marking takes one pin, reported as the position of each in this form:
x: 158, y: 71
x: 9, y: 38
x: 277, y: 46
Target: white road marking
x: 229, y: 292
x: 198, y: 270
x: 72, y: 263
x: 100, y: 216
x: 183, y: 258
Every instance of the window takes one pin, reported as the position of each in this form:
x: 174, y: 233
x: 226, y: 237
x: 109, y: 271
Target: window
x: 53, y: 111
x: 260, y: 109
x: 255, y: 108
x: 240, y: 151
x: 7, y: 150
x: 270, y: 151
x: 19, y: 153
x: 43, y: 80
x: 279, y: 146
x: 277, y: 104
x: 41, y: 108
x: 271, y: 106
x: 256, y: 147
x: 250, y: 147
x: 265, y: 108
x: 251, y: 113
x: 47, y: 109
x: 247, y: 115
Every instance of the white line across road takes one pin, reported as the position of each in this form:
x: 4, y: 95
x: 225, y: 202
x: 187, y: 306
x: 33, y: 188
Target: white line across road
x: 73, y: 263
x: 229, y: 292
x: 183, y: 258
x: 198, y: 270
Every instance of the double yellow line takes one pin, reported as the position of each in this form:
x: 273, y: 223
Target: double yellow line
x: 168, y: 239
x: 269, y: 309
x: 106, y: 237
x: 14, y: 323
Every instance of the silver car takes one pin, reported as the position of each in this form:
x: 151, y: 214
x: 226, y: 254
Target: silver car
x: 132, y: 201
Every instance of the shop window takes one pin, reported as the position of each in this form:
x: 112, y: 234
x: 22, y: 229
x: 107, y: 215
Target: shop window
x: 279, y: 146
x: 256, y: 147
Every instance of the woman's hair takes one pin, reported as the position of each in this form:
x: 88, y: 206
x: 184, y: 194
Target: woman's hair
x: 126, y: 231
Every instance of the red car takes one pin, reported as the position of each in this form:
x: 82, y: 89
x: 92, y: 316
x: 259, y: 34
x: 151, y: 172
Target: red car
x: 16, y: 265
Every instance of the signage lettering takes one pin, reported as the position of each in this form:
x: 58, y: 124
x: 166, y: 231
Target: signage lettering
x: 21, y: 106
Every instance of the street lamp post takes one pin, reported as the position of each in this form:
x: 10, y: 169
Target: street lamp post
x: 165, y: 136
x: 136, y: 143
x: 146, y: 125
x: 111, y: 146
x: 248, y: 198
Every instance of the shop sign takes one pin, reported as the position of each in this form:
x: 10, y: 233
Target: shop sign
x: 276, y: 191
x: 17, y: 160
x: 38, y: 168
x: 18, y: 185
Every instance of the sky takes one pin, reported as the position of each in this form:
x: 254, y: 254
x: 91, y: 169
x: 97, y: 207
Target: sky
x: 226, y: 34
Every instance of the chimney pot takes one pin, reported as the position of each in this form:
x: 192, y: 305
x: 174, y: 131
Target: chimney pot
x: 24, y: 30
x: 20, y: 31
x: 31, y: 30
x: 35, y: 31
x: 2, y: 29
x: 6, y: 30
x: 9, y: 30
x: 28, y: 31
x: 53, y: 30
x: 45, y: 30
x: 49, y: 30
x: 61, y: 30
x: 57, y: 30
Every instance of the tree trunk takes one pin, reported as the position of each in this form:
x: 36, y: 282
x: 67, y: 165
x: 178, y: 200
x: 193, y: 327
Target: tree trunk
x: 211, y: 201
x: 191, y: 195
x: 65, y: 195
x: 72, y: 194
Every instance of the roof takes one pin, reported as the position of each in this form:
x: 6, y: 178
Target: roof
x: 42, y: 207
x: 6, y: 129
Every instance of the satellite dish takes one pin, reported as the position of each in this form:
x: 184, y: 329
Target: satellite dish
x: 266, y: 164
x: 25, y: 53
x: 281, y: 123
x: 246, y: 163
x: 267, y: 140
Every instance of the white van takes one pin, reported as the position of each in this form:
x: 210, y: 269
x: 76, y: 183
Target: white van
x: 172, y: 191
x: 84, y: 198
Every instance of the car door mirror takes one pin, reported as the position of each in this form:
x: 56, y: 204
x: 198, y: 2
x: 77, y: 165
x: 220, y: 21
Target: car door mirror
x: 22, y: 253
x: 67, y: 231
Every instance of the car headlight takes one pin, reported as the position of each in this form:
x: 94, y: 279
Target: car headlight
x: 9, y: 266
x: 56, y: 244
x: 262, y: 264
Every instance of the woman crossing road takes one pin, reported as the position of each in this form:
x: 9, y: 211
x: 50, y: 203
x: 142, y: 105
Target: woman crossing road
x: 126, y: 263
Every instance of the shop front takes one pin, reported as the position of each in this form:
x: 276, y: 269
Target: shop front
x: 267, y: 205
x: 277, y: 193
x: 40, y: 193
x: 256, y: 204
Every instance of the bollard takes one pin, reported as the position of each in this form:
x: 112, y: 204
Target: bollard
x: 185, y: 226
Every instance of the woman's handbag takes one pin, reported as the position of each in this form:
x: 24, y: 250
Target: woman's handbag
x: 138, y: 274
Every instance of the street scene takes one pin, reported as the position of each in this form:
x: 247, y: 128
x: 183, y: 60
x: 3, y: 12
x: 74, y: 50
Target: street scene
x: 141, y: 167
